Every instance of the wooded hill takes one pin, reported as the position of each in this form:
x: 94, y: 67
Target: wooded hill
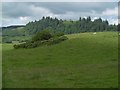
x: 23, y: 33
x: 11, y: 31
x: 59, y: 25
x: 69, y: 26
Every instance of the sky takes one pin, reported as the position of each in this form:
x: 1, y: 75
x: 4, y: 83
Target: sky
x: 20, y: 13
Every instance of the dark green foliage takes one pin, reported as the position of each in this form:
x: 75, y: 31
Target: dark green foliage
x: 26, y: 45
x: 55, y: 25
x: 63, y: 38
x: 58, y: 34
x: 44, y: 35
x: 43, y: 38
x: 56, y: 40
x: 69, y: 26
x: 118, y: 28
x: 16, y: 46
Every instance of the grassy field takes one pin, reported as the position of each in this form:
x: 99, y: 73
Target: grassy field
x: 83, y: 61
x: 0, y: 66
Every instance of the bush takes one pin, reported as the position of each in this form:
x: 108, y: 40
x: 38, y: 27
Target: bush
x: 16, y: 46
x: 58, y: 34
x: 43, y: 38
x: 63, y: 38
x: 52, y: 41
x: 56, y: 40
x: 43, y: 35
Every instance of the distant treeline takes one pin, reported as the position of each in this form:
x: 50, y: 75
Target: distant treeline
x: 12, y: 27
x: 69, y: 26
x: 22, y: 32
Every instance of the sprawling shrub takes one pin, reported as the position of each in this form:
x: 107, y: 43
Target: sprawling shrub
x: 16, y: 46
x: 56, y: 40
x: 63, y: 38
x: 43, y: 35
x: 43, y: 38
x: 58, y: 34
x: 53, y: 40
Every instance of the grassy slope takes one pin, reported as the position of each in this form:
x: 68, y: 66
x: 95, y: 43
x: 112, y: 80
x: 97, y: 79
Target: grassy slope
x: 12, y: 32
x: 85, y: 60
x: 0, y: 66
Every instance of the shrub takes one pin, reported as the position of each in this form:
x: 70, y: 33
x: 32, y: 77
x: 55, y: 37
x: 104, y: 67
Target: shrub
x: 63, y: 38
x: 43, y: 35
x: 58, y: 34
x: 52, y: 41
x: 56, y: 40
x: 16, y: 46
x: 43, y: 38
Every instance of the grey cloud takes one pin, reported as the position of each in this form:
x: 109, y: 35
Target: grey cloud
x: 23, y: 9
x: 62, y: 7
x: 14, y: 10
x: 65, y: 10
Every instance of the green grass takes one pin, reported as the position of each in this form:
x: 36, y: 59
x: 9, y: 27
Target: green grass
x: 84, y: 61
x: 20, y: 38
x: 0, y: 66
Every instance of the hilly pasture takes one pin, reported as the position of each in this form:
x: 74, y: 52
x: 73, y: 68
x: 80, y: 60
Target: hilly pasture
x: 83, y: 61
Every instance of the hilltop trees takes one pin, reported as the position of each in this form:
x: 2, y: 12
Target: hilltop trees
x: 69, y: 26
x: 55, y: 25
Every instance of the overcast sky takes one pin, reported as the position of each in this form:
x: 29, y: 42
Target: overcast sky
x: 21, y: 13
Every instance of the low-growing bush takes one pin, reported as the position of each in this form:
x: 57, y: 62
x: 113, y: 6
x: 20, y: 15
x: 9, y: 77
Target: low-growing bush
x: 58, y: 34
x: 43, y: 38
x: 56, y: 40
x: 63, y: 38
x: 16, y: 46
x: 44, y: 35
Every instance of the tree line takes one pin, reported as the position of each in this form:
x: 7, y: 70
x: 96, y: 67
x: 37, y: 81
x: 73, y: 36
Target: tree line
x: 69, y: 26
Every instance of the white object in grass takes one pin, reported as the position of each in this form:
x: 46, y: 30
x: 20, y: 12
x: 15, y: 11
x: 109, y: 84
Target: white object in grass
x: 94, y: 33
